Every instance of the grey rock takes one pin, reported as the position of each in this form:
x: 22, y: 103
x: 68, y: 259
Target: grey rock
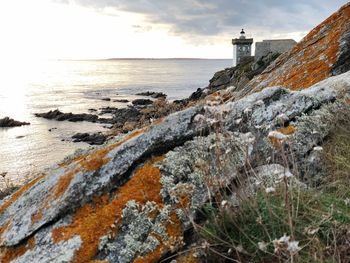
x: 142, y: 102
x: 8, y: 122
x: 92, y: 139
x: 173, y: 131
x: 60, y: 116
x: 218, y: 141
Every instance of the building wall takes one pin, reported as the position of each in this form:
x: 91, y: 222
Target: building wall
x: 279, y: 46
x: 240, y: 51
x: 234, y: 55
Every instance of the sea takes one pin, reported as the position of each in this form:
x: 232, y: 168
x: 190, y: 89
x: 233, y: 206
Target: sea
x: 28, y: 87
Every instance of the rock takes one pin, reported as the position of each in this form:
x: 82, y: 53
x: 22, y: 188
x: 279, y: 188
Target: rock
x: 141, y: 102
x: 322, y: 53
x: 126, y: 114
x: 129, y: 126
x: 221, y: 78
x: 155, y: 95
x: 92, y: 139
x: 237, y: 77
x: 133, y: 199
x: 198, y: 94
x: 121, y: 101
x: 125, y: 196
x: 8, y: 122
x: 60, y: 116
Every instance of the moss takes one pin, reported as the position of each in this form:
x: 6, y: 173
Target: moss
x: 9, y: 254
x: 94, y: 220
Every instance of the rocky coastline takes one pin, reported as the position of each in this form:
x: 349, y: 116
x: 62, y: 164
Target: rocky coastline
x: 8, y: 122
x: 258, y: 129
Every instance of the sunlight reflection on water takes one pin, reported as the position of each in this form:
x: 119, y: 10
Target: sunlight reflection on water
x: 76, y: 86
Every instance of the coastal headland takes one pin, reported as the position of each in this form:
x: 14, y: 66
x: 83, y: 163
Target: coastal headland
x: 143, y: 195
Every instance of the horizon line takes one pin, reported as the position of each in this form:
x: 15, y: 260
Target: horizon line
x: 146, y: 58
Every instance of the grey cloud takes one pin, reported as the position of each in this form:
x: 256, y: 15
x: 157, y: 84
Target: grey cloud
x: 209, y: 17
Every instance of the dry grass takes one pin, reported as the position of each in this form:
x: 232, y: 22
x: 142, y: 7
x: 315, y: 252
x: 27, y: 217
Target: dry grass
x: 287, y: 223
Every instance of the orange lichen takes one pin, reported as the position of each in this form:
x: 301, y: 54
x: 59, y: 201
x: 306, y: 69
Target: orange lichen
x: 37, y: 216
x: 174, y: 231
x: 4, y: 227
x: 157, y: 121
x: 9, y: 254
x: 94, y: 220
x: 13, y: 198
x: 19, y: 193
x: 91, y: 162
x: 312, y: 59
x: 289, y: 130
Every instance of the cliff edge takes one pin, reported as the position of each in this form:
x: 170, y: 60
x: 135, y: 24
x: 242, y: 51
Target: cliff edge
x: 135, y: 198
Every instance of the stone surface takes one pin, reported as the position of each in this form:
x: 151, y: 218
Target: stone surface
x: 141, y: 102
x: 8, y: 122
x: 273, y: 46
x: 133, y: 199
x: 92, y: 139
x: 102, y: 204
x: 60, y: 116
x: 322, y: 53
x: 155, y: 95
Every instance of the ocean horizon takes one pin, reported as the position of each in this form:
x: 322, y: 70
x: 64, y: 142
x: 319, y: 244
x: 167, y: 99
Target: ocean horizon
x: 78, y: 86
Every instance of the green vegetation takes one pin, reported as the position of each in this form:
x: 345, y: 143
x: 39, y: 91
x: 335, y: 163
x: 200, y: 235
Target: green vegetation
x: 288, y: 222
x: 318, y: 221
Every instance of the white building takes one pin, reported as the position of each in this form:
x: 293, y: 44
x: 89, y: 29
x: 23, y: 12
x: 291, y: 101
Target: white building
x: 242, y: 47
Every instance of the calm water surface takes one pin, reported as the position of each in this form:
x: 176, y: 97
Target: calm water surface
x: 28, y: 87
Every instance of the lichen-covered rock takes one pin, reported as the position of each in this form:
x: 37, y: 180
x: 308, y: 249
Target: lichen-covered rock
x: 118, y: 203
x: 132, y: 199
x: 75, y: 182
x: 324, y: 52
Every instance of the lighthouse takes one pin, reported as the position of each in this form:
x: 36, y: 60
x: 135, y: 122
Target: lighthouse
x: 242, y: 47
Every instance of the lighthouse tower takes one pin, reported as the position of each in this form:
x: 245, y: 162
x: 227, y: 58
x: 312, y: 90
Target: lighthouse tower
x: 242, y: 47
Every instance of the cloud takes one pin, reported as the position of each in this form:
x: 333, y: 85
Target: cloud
x: 209, y: 18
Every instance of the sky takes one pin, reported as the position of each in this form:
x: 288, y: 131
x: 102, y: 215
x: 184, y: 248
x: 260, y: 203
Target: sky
x: 98, y: 29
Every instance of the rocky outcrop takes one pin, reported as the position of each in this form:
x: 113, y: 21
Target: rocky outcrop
x: 152, y: 94
x: 324, y: 52
x: 60, y: 116
x: 8, y: 122
x: 133, y: 199
x: 129, y: 201
x: 141, y: 102
x: 92, y: 139
x: 236, y: 77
